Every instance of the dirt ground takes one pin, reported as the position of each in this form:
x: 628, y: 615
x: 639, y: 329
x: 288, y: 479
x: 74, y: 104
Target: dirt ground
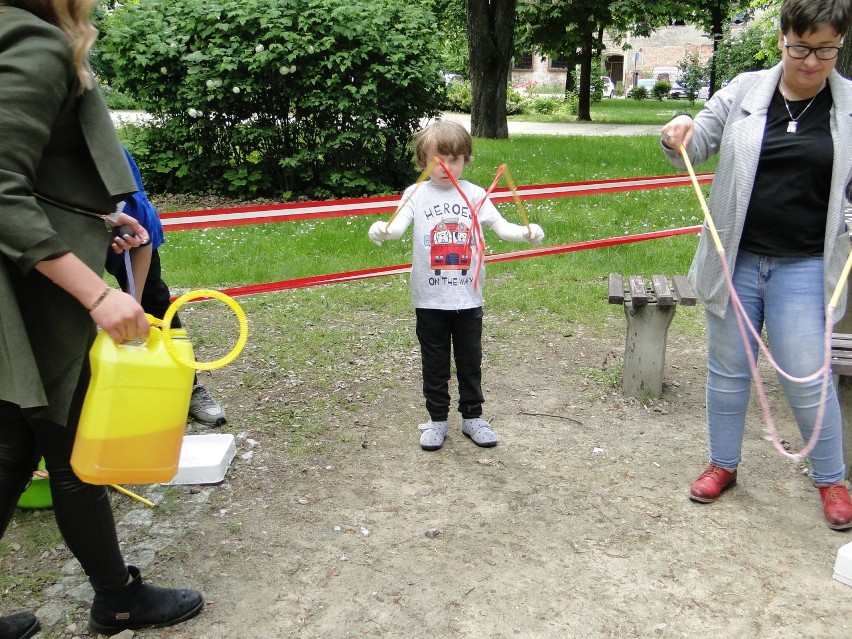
x: 576, y: 525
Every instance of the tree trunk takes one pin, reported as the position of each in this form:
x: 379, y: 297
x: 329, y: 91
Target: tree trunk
x: 490, y: 42
x: 570, y: 81
x: 584, y: 106
x: 716, y: 30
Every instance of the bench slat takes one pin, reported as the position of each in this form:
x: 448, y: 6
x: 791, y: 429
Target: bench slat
x: 616, y: 288
x: 683, y: 290
x: 638, y: 294
x: 841, y: 366
x: 841, y: 353
x: 662, y: 290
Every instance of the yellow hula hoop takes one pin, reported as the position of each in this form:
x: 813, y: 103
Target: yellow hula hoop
x: 192, y: 295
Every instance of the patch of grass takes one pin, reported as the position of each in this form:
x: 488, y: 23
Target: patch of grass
x: 38, y: 535
x: 170, y: 502
x: 618, y: 111
x: 608, y: 378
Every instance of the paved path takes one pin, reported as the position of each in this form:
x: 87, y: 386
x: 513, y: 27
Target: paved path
x: 537, y: 128
x: 566, y: 128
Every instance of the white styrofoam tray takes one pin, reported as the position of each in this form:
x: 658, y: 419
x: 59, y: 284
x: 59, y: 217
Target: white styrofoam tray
x: 204, y: 459
x: 843, y: 565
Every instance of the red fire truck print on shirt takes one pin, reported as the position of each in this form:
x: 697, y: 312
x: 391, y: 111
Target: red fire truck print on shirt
x: 450, y: 247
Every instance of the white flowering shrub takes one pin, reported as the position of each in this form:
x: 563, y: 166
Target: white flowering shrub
x: 275, y: 98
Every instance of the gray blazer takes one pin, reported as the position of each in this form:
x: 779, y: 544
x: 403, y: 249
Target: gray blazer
x: 731, y: 124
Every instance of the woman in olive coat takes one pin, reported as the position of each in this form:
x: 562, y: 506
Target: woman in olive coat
x: 62, y: 167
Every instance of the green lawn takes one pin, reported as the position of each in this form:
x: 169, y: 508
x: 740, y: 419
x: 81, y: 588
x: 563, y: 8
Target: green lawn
x: 623, y: 111
x: 233, y: 256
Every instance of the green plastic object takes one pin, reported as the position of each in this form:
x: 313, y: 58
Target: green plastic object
x: 37, y: 494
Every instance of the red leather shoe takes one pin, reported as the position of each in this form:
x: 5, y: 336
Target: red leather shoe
x: 711, y: 483
x: 837, y: 505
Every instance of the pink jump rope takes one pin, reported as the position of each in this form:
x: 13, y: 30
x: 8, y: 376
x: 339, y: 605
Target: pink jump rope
x: 824, y: 371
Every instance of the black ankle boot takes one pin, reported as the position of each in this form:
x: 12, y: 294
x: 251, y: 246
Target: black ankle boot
x: 19, y: 626
x: 138, y: 605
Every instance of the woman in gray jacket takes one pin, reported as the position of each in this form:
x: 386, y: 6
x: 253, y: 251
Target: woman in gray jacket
x: 784, y: 139
x: 61, y: 165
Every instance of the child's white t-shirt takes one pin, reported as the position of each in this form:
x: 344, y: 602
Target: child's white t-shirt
x: 443, y: 254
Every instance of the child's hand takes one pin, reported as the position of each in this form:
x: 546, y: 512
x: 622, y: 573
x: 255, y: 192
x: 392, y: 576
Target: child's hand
x: 129, y: 233
x: 535, y: 234
x: 378, y: 232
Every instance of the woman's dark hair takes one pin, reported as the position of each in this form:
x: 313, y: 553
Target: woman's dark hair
x: 804, y: 16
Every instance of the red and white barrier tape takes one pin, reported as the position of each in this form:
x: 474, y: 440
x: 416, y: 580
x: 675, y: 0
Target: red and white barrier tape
x: 351, y: 276
x: 289, y: 211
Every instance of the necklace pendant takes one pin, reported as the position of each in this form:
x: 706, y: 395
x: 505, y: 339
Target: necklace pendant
x: 792, y: 126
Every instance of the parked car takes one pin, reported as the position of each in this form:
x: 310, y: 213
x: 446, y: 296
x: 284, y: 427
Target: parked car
x: 648, y: 83
x: 704, y: 92
x: 450, y: 78
x: 607, y: 87
x: 678, y: 92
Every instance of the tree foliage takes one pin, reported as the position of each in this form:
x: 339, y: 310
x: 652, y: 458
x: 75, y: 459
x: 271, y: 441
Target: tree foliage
x: 276, y: 97
x: 750, y: 49
x: 576, y: 29
x: 693, y: 75
x: 451, y: 28
x: 713, y: 16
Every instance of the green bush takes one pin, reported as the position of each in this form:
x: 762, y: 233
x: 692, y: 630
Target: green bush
x: 571, y: 103
x: 458, y: 97
x: 545, y: 105
x: 661, y: 89
x: 275, y: 98
x: 639, y: 93
x: 516, y: 103
x: 117, y: 101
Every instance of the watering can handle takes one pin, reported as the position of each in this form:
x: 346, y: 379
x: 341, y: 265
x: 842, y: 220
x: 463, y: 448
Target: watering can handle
x: 155, y: 321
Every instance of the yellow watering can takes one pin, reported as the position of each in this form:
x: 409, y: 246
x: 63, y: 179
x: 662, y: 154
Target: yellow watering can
x: 134, y: 414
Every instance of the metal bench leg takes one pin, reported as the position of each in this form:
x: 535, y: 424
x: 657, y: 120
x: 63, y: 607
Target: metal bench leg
x: 645, y: 352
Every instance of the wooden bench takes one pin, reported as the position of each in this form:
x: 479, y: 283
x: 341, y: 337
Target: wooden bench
x: 649, y: 309
x: 841, y: 366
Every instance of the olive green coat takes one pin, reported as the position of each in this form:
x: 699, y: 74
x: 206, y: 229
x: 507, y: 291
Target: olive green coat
x: 64, y: 146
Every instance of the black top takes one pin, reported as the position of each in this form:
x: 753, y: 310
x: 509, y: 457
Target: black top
x: 789, y: 202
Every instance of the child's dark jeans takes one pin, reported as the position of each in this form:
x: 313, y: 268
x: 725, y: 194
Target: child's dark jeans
x: 438, y: 331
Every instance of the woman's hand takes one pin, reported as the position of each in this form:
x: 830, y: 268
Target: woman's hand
x: 676, y: 132
x: 121, y: 317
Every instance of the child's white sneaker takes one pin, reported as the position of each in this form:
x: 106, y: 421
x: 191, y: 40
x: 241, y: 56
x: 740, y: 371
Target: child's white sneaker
x: 433, y: 435
x: 479, y: 431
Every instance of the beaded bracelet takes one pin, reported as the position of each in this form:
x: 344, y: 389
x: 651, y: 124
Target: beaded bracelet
x: 100, y: 298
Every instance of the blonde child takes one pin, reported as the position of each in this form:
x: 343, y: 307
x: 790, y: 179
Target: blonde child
x: 447, y: 303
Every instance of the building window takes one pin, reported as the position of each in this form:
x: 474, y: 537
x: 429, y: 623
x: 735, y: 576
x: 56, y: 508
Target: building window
x: 523, y: 60
x: 560, y: 62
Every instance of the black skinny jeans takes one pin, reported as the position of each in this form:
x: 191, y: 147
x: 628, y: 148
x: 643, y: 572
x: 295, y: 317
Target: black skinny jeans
x: 439, y: 332
x: 83, y: 512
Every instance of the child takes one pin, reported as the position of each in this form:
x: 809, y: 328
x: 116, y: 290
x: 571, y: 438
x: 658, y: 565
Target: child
x: 152, y: 292
x: 447, y: 305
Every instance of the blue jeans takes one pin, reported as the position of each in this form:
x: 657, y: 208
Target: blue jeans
x: 784, y: 295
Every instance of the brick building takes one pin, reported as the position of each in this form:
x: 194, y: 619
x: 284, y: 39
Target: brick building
x: 662, y: 51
